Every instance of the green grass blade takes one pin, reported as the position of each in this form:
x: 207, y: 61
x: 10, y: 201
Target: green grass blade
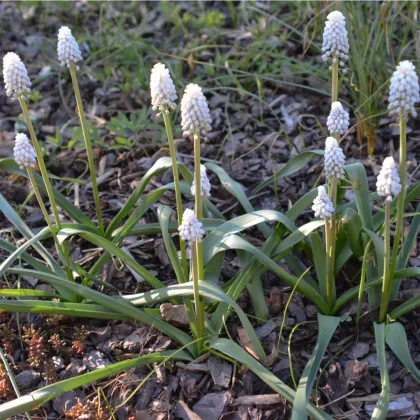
x: 43, y: 234
x: 396, y: 338
x: 9, y: 165
x: 381, y: 409
x: 326, y: 328
x: 21, y: 226
x: 34, y: 262
x: 295, y: 164
x: 237, y: 353
x: 207, y: 290
x: 160, y: 166
x: 39, y: 397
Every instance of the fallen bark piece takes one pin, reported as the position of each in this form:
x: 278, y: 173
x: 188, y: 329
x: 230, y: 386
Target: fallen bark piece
x: 211, y: 406
x: 176, y: 315
x: 183, y: 411
x: 220, y: 371
x: 258, y: 400
x: 400, y: 407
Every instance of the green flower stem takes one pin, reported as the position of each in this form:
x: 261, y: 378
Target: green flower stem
x: 401, y: 197
x: 40, y: 160
x: 330, y: 242
x: 41, y: 203
x: 327, y: 251
x: 197, y: 258
x: 44, y: 173
x: 362, y: 286
x: 88, y: 144
x: 334, y: 92
x: 387, y: 279
x: 330, y: 223
x: 175, y: 172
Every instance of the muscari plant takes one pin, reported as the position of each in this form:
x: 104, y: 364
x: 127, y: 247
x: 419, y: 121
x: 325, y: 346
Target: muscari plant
x: 350, y: 230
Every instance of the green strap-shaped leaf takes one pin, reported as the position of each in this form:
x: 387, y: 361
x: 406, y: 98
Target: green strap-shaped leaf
x: 295, y: 164
x: 231, y: 349
x: 378, y: 243
x: 319, y: 257
x: 409, y: 241
x: 400, y: 274
x: 27, y: 293
x: 308, y: 290
x: 396, y: 338
x: 39, y: 397
x: 114, y: 303
x: 81, y: 310
x: 206, y: 289
x: 112, y: 249
x: 326, y: 328
x: 238, y: 224
x: 237, y: 191
x: 381, y: 409
x: 164, y: 213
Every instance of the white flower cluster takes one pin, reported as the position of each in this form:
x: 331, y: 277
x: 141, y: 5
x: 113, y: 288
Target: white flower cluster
x: 190, y: 229
x: 15, y: 76
x: 388, y: 181
x: 404, y: 89
x: 322, y: 205
x: 335, y: 40
x: 24, y: 152
x: 67, y: 48
x: 162, y: 89
x: 195, y: 114
x: 338, y: 121
x: 205, y: 183
x: 333, y: 159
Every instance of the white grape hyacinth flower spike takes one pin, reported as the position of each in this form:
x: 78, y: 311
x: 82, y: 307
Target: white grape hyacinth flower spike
x: 388, y: 182
x: 190, y: 229
x: 24, y: 152
x: 205, y: 183
x: 195, y: 114
x: 162, y: 89
x: 404, y: 90
x: 338, y: 121
x: 322, y: 205
x: 335, y: 44
x: 67, y: 48
x: 333, y: 160
x: 15, y: 76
